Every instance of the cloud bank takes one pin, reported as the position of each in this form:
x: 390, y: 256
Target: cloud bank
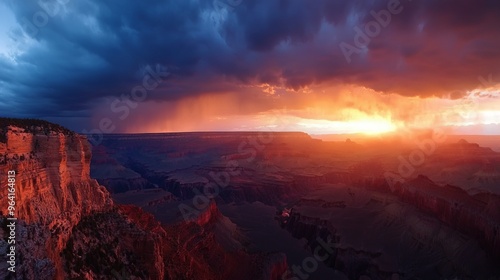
x: 255, y: 52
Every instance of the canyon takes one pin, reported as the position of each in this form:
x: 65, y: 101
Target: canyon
x: 69, y: 227
x: 245, y: 205
x: 290, y: 190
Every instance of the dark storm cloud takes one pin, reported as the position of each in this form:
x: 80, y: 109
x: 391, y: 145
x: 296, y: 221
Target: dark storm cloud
x: 92, y: 49
x: 96, y: 48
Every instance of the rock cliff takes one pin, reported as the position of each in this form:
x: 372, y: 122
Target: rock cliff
x: 53, y: 192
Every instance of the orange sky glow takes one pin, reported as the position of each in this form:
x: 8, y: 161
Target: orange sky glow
x: 353, y: 109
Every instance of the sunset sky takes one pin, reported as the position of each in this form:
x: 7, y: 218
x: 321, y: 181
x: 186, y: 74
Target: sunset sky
x: 319, y: 66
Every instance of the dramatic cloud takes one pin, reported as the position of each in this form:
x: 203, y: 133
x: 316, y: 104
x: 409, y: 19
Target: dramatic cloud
x: 67, y: 58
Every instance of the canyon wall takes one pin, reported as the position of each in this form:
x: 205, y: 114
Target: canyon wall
x: 53, y: 191
x: 477, y: 215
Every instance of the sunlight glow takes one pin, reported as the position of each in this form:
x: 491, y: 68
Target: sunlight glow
x: 368, y: 126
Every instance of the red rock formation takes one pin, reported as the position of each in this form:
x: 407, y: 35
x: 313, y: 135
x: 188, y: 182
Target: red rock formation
x: 52, y: 176
x: 53, y: 187
x: 143, y: 220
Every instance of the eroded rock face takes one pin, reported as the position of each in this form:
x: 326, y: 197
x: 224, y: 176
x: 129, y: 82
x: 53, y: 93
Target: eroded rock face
x: 53, y: 192
x: 120, y: 244
x: 418, y: 222
x: 477, y: 215
x: 52, y: 178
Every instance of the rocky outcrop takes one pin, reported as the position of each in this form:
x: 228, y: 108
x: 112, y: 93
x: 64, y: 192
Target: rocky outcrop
x: 52, y: 176
x: 119, y: 244
x: 353, y: 262
x: 478, y: 215
x: 53, y: 192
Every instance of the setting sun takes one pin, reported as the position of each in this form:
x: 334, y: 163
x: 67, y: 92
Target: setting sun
x: 368, y: 126
x: 374, y: 126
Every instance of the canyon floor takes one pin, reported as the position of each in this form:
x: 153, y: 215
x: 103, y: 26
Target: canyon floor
x: 380, y: 208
